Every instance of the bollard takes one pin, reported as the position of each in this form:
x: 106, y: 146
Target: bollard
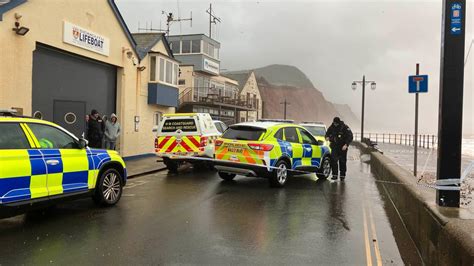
x: 389, y: 138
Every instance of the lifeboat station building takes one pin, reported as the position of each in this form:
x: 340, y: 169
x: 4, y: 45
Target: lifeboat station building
x: 61, y: 60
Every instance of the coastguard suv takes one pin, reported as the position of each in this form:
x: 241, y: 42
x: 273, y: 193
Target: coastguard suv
x: 270, y: 149
x: 42, y: 163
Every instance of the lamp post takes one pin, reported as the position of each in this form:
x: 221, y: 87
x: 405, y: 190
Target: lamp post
x: 354, y: 87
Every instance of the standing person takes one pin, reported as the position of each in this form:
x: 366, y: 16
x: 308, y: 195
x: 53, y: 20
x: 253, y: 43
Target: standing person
x: 94, y: 131
x: 84, y: 134
x: 102, y: 124
x: 340, y: 136
x: 112, y: 132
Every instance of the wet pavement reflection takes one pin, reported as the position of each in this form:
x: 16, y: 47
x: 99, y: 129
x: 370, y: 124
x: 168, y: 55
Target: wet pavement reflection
x: 195, y: 218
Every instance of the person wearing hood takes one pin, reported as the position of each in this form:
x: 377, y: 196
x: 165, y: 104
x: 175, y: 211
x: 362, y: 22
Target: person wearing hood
x: 112, y: 132
x: 340, y: 136
x: 94, y: 130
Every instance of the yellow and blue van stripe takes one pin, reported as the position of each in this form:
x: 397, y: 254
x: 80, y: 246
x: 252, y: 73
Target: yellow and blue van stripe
x: 33, y: 178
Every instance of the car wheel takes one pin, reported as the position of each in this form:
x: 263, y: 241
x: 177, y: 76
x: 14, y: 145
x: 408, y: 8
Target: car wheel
x: 280, y: 174
x: 226, y: 176
x: 109, y: 188
x: 171, y: 165
x: 325, y: 170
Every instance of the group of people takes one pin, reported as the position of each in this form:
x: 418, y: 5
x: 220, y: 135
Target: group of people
x: 102, y: 132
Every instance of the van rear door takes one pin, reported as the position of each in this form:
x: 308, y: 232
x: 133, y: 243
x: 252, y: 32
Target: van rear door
x: 178, y: 135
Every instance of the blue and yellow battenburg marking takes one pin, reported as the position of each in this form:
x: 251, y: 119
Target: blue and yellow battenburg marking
x: 37, y: 173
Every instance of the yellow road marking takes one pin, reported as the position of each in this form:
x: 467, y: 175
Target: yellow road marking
x: 375, y: 239
x: 366, y: 238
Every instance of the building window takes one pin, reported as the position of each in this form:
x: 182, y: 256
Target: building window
x: 176, y: 47
x: 205, y: 47
x: 153, y: 68
x: 162, y: 69
x: 196, y: 46
x: 182, y: 82
x: 169, y: 72
x: 186, y: 47
x: 210, y: 50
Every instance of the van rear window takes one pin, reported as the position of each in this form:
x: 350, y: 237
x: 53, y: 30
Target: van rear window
x: 186, y: 125
x: 243, y: 133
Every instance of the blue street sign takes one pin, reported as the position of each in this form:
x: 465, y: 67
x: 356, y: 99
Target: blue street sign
x: 418, y: 84
x: 456, y: 16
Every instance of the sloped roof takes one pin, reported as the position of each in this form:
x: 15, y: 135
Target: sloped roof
x: 240, y: 76
x: 146, y: 41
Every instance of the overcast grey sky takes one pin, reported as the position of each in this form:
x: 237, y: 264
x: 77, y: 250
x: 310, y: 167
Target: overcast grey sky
x: 333, y: 43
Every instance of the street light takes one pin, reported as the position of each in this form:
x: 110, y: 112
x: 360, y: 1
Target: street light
x: 373, y: 85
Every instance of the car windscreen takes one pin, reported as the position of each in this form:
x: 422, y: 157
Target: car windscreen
x: 243, y: 133
x: 184, y: 124
x: 316, y: 130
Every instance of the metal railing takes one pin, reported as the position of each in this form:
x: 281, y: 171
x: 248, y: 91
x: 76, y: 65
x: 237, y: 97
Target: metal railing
x: 193, y: 94
x: 428, y: 141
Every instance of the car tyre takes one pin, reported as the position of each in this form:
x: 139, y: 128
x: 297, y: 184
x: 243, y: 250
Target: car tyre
x: 226, y: 176
x: 109, y: 188
x: 171, y: 165
x: 325, y: 170
x: 280, y: 174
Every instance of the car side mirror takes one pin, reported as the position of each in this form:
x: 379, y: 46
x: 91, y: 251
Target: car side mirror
x: 83, y: 143
x: 154, y: 129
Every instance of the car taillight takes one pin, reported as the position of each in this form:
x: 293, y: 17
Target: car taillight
x: 204, y: 141
x: 219, y: 142
x: 260, y: 147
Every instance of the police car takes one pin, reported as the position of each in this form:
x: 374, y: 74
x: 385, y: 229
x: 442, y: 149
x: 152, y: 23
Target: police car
x: 270, y: 149
x: 317, y: 129
x: 42, y: 163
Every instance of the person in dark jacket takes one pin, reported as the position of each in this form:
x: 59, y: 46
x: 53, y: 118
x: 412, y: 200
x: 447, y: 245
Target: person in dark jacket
x: 94, y: 130
x: 340, y: 136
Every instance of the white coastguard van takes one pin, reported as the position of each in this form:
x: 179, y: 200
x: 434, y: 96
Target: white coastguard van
x: 186, y: 138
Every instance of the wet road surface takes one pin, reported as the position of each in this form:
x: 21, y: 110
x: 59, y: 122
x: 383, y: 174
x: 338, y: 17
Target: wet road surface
x: 195, y: 218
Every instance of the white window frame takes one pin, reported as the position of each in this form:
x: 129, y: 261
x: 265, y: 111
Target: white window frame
x: 158, y: 77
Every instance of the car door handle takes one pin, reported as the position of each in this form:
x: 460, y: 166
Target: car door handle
x: 52, y: 162
x: 308, y: 149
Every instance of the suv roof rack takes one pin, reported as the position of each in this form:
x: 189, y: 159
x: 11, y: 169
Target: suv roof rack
x: 312, y: 122
x: 276, y: 120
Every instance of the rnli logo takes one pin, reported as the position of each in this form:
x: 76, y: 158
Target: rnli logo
x: 76, y: 33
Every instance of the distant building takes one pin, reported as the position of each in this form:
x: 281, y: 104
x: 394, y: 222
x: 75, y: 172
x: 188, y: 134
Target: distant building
x: 249, y: 91
x: 201, y: 87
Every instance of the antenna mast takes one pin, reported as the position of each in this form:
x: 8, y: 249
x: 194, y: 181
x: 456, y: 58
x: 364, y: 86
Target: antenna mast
x: 212, y: 19
x: 170, y: 19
